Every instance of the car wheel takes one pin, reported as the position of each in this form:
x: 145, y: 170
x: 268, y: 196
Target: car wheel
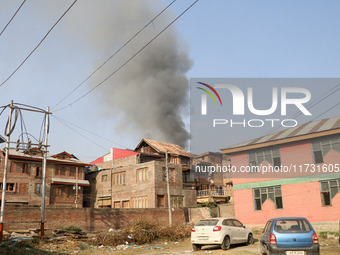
x: 196, y: 247
x: 250, y: 240
x: 226, y: 243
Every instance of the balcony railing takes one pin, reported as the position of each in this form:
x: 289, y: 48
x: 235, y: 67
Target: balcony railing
x: 206, y: 193
x: 189, y: 185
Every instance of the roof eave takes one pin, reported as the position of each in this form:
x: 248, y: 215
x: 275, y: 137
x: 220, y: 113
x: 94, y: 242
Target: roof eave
x: 281, y: 141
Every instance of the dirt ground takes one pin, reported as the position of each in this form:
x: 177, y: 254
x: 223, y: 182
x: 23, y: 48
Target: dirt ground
x: 328, y: 247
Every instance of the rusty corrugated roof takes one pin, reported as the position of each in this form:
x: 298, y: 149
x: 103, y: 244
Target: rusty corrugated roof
x: 162, y: 147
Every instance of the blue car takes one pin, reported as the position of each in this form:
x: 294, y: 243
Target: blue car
x: 289, y: 236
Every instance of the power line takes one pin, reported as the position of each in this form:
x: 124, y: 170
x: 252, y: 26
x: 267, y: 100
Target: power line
x: 12, y: 17
x: 133, y: 56
x: 309, y: 106
x: 38, y: 44
x: 114, y: 54
x: 325, y: 111
x: 79, y: 133
x: 60, y: 119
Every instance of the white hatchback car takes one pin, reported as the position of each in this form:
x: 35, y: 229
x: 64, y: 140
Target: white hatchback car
x: 223, y: 231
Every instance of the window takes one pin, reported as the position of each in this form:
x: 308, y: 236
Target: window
x: 187, y: 178
x: 171, y: 174
x: 322, y: 147
x: 272, y: 193
x: 71, y: 192
x: 212, y: 159
x: 292, y: 226
x: 58, y: 192
x: 142, y: 175
x: 104, y: 178
x: 116, y: 204
x: 9, y: 186
x: 118, y: 178
x: 174, y: 160
x: 19, y: 168
x: 80, y: 172
x: 270, y: 155
x: 39, y: 171
x: 60, y: 170
x: 228, y: 223
x: 237, y: 223
x: 139, y: 202
x: 328, y: 190
x: 267, y: 227
x: 72, y: 171
x: 126, y: 204
x: 160, y: 201
x: 176, y: 201
x: 38, y: 188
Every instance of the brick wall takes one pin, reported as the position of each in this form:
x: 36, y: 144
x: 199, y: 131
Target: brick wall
x: 227, y: 210
x: 89, y: 219
x: 150, y: 188
x: 120, y: 162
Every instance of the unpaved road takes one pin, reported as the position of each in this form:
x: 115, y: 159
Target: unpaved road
x: 185, y: 247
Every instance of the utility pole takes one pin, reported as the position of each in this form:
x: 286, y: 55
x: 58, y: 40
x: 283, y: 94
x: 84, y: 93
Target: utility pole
x: 44, y: 177
x: 4, y: 182
x: 76, y: 187
x: 168, y: 187
x: 8, y: 131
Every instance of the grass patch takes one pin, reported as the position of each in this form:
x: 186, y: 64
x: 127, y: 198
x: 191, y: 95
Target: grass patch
x: 324, y: 234
x: 72, y: 228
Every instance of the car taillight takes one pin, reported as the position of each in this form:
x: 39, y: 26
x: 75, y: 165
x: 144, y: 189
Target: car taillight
x: 193, y: 229
x: 217, y: 228
x: 272, y: 239
x: 315, y: 238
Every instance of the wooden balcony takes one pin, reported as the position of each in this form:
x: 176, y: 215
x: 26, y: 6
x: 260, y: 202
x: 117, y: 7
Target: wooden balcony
x: 207, y: 195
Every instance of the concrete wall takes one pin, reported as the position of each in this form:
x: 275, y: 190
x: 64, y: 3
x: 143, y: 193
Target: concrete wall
x: 300, y: 196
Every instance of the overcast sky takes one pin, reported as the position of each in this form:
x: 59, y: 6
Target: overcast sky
x: 149, y: 96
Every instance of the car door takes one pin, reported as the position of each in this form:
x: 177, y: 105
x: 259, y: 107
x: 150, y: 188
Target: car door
x: 230, y: 230
x: 241, y: 232
x: 265, y: 236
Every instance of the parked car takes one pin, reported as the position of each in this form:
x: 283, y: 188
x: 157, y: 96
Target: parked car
x: 223, y: 231
x: 289, y: 236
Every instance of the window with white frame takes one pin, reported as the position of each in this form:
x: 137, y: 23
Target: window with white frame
x: 262, y: 194
x: 322, y: 147
x: 272, y: 155
x: 328, y: 190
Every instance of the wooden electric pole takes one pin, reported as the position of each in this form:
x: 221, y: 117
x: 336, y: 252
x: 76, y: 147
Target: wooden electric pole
x: 168, y: 187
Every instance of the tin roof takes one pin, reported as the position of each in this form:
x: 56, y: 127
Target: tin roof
x: 301, y: 132
x: 162, y: 147
x: 20, y: 154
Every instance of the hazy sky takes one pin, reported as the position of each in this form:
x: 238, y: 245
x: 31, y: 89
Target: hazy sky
x: 147, y: 97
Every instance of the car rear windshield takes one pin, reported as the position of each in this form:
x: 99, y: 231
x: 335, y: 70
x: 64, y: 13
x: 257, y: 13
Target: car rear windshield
x: 292, y: 226
x: 207, y: 223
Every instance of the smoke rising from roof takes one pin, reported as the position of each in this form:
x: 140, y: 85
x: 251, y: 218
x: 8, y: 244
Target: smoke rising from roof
x: 149, y: 96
